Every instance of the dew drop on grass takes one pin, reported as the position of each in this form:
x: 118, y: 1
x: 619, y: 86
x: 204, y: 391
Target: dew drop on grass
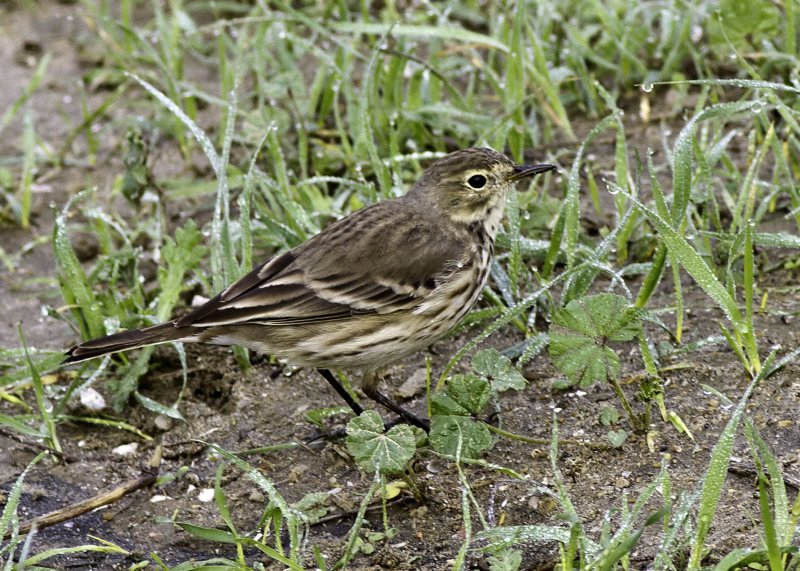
x: 647, y: 87
x: 757, y: 106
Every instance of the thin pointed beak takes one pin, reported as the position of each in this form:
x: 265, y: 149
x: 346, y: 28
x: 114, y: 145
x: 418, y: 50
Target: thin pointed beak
x: 524, y: 171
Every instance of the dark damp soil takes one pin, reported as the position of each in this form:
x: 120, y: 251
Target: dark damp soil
x: 266, y: 406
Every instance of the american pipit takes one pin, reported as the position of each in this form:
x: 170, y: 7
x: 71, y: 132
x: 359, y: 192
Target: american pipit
x: 378, y: 285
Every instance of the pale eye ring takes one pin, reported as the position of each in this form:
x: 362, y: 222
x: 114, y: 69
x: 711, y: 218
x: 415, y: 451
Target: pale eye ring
x: 477, y: 181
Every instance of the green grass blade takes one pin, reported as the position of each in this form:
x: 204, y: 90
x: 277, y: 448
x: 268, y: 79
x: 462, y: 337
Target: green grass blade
x: 205, y: 143
x: 763, y: 455
x: 572, y: 201
x: 748, y: 332
x: 694, y: 264
x: 75, y: 287
x: 421, y: 31
x: 28, y: 168
x: 683, y: 151
x: 714, y: 478
x: 27, y: 92
x: 14, y: 496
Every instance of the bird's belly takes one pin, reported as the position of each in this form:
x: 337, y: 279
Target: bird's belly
x: 367, y: 343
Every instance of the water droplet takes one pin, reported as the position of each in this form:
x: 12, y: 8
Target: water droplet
x: 647, y: 87
x: 757, y: 106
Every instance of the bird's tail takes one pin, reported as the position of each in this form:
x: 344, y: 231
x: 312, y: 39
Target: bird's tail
x: 127, y: 340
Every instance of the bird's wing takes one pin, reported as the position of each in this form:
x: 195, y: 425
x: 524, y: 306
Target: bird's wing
x: 355, y: 266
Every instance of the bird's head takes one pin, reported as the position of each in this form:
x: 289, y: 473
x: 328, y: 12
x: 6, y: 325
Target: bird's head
x: 468, y: 183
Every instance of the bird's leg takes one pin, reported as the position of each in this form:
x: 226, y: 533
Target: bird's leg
x: 337, y: 386
x: 370, y: 388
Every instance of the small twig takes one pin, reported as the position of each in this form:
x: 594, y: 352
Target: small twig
x: 343, y: 515
x: 546, y: 441
x: 147, y: 478
x: 632, y: 416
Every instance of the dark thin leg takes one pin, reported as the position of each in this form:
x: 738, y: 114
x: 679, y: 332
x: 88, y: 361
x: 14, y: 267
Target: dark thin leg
x: 337, y: 386
x: 386, y: 402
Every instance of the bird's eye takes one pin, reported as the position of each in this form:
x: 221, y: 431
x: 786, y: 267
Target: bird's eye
x: 477, y: 181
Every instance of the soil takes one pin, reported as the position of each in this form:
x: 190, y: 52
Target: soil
x: 266, y: 406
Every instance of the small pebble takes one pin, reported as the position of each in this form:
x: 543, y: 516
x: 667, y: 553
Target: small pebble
x: 92, y: 400
x: 126, y: 449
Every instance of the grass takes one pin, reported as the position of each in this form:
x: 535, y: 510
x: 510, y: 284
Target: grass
x: 312, y: 113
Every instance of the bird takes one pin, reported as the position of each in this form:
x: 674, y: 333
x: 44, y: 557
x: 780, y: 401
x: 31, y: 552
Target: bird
x: 378, y: 285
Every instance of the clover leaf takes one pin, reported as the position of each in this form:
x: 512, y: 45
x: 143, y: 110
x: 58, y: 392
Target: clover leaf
x: 377, y: 449
x: 580, y: 332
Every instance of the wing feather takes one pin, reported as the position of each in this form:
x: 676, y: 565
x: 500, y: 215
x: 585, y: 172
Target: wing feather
x: 327, y: 279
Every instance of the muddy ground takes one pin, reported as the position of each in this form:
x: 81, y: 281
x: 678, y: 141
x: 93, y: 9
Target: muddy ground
x: 266, y: 406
